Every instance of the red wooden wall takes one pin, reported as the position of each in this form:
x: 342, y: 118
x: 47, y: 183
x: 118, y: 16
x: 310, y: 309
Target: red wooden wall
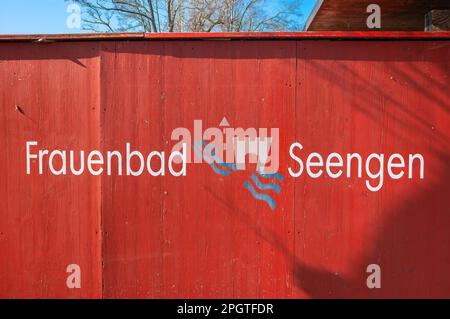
x: 48, y: 222
x: 204, y: 235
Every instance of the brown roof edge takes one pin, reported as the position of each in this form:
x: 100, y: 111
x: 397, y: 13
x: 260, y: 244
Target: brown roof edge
x: 310, y: 35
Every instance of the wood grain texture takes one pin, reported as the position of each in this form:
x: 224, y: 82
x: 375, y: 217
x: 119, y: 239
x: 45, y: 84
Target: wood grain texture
x: 437, y: 20
x: 48, y: 222
x: 351, y: 15
x: 204, y: 235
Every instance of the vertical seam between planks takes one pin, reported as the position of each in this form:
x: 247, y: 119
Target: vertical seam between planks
x: 100, y: 53
x: 294, y: 254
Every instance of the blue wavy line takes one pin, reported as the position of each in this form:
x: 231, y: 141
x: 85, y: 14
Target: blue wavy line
x: 228, y: 165
x: 264, y: 197
x: 272, y: 175
x: 271, y: 186
x: 231, y: 166
x: 218, y: 170
x: 212, y: 164
x: 213, y: 156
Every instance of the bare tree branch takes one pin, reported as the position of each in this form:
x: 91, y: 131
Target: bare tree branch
x: 189, y: 15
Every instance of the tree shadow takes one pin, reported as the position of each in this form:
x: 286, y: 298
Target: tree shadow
x: 412, y: 250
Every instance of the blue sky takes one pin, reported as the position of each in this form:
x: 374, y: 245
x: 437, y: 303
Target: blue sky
x: 49, y: 16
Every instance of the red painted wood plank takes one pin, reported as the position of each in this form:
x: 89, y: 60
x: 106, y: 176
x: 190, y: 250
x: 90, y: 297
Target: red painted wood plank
x: 48, y: 222
x: 310, y: 35
x: 387, y: 98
